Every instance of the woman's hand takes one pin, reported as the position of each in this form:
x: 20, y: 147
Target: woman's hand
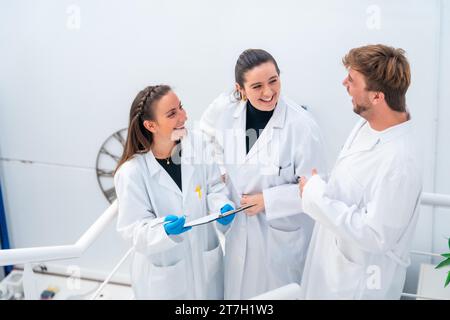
x: 303, y: 181
x: 175, y: 224
x: 257, y: 199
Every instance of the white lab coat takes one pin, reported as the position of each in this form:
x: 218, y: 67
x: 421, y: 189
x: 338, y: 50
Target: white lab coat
x: 265, y: 251
x: 185, y: 266
x: 365, y: 219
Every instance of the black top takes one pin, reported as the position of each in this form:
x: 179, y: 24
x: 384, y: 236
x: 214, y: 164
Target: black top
x: 256, y: 121
x: 173, y: 169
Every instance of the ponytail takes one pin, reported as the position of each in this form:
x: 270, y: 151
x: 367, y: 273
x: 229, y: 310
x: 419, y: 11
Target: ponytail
x: 139, y: 139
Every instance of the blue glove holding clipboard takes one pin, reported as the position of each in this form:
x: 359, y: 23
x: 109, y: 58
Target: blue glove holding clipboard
x: 227, y: 219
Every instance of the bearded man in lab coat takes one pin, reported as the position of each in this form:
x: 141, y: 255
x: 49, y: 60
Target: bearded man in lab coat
x: 367, y: 211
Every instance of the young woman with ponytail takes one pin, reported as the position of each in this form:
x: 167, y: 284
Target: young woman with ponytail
x: 264, y: 142
x: 163, y: 179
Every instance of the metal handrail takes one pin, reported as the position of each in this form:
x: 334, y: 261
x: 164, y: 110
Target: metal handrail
x: 40, y: 254
x: 435, y: 199
x: 416, y: 296
x: 424, y: 253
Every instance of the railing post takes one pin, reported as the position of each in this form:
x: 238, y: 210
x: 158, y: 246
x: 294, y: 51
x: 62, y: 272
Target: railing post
x: 29, y: 283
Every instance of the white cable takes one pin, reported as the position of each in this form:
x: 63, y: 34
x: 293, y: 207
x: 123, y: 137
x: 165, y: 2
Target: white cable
x: 99, y: 290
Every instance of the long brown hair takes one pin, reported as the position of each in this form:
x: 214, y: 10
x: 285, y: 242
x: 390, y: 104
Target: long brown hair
x: 139, y: 139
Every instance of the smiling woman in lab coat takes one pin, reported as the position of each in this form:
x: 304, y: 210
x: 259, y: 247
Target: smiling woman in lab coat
x: 263, y: 143
x: 160, y: 183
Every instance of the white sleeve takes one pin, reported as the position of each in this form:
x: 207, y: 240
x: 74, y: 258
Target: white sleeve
x: 208, y: 123
x: 218, y: 194
x: 284, y: 200
x: 378, y: 225
x: 136, y: 214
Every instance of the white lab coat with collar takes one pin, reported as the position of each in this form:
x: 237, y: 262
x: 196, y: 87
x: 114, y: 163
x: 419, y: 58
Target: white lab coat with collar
x: 185, y: 266
x: 265, y: 251
x: 365, y: 219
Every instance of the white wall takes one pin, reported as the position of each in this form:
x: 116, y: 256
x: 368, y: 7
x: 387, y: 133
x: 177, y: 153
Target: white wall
x: 441, y: 226
x: 63, y: 91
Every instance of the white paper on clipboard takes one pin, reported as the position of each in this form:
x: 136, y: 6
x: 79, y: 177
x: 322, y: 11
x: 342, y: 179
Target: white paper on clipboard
x: 214, y: 216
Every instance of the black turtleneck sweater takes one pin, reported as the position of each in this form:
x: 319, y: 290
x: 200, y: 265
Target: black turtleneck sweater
x: 256, y: 121
x: 174, y: 170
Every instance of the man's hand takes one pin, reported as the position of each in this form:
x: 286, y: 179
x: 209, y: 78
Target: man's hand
x: 303, y: 181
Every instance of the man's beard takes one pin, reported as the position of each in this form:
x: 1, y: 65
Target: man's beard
x: 358, y: 109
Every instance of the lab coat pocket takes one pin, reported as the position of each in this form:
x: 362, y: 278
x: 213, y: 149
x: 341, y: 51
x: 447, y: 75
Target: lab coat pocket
x: 343, y: 275
x: 168, y: 282
x: 286, y: 253
x: 213, y: 273
x: 283, y: 174
x: 287, y: 173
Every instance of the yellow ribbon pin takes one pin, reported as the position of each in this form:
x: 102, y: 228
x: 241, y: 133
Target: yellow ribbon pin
x: 198, y: 190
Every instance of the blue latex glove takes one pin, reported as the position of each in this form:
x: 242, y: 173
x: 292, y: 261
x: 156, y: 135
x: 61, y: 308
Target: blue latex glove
x: 175, y: 225
x: 226, y: 220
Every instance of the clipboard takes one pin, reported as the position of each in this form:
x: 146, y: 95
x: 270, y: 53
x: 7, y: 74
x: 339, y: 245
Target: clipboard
x: 213, y: 217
